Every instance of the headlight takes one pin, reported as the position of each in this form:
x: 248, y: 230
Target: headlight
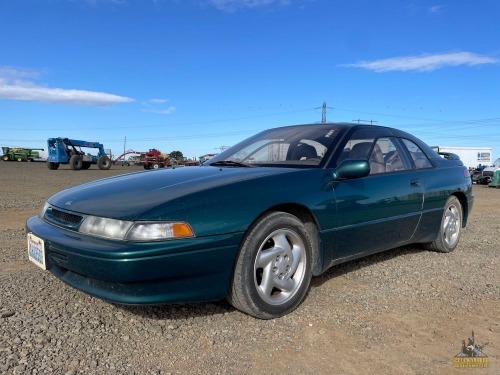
x: 134, y: 231
x: 104, y: 227
x: 44, y: 209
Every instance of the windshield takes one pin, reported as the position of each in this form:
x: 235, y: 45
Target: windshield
x: 294, y: 146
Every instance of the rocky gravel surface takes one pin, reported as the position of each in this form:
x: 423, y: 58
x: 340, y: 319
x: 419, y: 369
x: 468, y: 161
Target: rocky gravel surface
x: 405, y: 311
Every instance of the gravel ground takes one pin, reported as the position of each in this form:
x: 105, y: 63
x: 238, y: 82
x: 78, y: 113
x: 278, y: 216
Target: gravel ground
x: 405, y: 311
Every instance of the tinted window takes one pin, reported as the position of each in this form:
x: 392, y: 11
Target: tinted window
x: 304, y: 145
x: 419, y: 158
x: 393, y: 155
x: 384, y: 154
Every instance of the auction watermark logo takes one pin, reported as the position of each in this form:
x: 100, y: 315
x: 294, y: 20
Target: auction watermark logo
x: 472, y: 355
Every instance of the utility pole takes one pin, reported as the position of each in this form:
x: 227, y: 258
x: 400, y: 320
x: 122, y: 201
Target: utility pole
x: 359, y: 121
x: 323, y: 112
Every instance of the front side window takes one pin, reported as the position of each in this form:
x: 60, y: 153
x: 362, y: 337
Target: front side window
x: 419, y: 158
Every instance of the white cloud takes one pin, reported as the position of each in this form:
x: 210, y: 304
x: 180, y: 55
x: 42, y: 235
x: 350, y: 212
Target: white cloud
x: 233, y: 5
x: 19, y: 84
x: 166, y: 111
x: 158, y: 101
x: 9, y: 73
x: 156, y: 106
x: 425, y: 63
x: 436, y: 9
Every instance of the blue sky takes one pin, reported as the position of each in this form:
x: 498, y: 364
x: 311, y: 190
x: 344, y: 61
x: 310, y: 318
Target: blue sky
x: 198, y: 75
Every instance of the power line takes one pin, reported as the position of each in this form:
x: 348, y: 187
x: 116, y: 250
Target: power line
x: 101, y: 127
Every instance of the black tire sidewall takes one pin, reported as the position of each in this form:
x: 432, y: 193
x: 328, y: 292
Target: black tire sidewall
x: 76, y: 162
x: 52, y: 166
x: 104, y: 163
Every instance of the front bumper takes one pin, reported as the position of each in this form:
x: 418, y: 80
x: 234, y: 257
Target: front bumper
x: 194, y: 269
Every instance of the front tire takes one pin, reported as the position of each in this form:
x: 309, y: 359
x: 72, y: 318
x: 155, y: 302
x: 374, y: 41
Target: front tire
x: 104, y: 163
x: 450, y: 227
x: 52, y: 166
x: 76, y: 162
x: 273, y: 268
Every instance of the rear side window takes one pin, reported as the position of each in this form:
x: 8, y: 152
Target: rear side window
x: 419, y: 158
x: 392, y: 155
x: 384, y: 155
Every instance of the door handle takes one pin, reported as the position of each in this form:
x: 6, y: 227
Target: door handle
x: 415, y: 182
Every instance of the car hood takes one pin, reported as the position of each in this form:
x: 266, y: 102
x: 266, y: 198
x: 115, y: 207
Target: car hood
x: 130, y: 196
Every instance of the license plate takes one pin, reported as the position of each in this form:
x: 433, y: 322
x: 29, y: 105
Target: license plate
x: 36, y: 251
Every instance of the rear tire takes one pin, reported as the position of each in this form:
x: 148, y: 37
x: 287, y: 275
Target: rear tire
x: 104, y: 163
x: 450, y: 227
x: 76, y: 162
x: 273, y: 269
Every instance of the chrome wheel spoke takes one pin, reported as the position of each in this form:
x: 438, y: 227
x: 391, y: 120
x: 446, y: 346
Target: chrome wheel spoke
x: 281, y: 241
x: 267, y: 284
x: 266, y: 257
x: 285, y: 285
x: 297, y: 254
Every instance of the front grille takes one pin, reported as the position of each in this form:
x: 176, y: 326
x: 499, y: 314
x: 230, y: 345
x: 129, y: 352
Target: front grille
x: 65, y: 217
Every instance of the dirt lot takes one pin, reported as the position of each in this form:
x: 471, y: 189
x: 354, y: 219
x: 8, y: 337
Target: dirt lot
x: 405, y: 311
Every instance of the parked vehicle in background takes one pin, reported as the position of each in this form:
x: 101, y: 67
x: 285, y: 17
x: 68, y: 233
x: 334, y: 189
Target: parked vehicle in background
x: 256, y: 222
x: 69, y: 151
x: 483, y: 174
x: 153, y: 159
x: 488, y: 172
x: 21, y: 154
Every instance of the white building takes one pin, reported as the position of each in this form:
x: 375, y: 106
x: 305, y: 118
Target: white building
x: 470, y: 156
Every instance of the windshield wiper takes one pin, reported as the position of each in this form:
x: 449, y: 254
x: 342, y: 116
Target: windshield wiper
x: 230, y: 163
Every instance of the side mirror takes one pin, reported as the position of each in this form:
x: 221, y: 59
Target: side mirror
x: 350, y: 169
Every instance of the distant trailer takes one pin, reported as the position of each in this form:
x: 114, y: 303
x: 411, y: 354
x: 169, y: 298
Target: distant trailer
x: 472, y: 157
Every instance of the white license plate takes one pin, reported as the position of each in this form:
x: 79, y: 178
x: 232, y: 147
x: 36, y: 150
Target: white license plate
x: 36, y: 251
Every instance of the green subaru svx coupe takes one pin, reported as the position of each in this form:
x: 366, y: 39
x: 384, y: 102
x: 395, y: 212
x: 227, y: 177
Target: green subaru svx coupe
x: 256, y: 222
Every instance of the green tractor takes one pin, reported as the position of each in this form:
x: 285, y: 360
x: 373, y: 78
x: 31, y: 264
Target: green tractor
x: 20, y: 154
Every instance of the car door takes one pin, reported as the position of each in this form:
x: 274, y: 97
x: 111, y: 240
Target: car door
x: 381, y: 210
